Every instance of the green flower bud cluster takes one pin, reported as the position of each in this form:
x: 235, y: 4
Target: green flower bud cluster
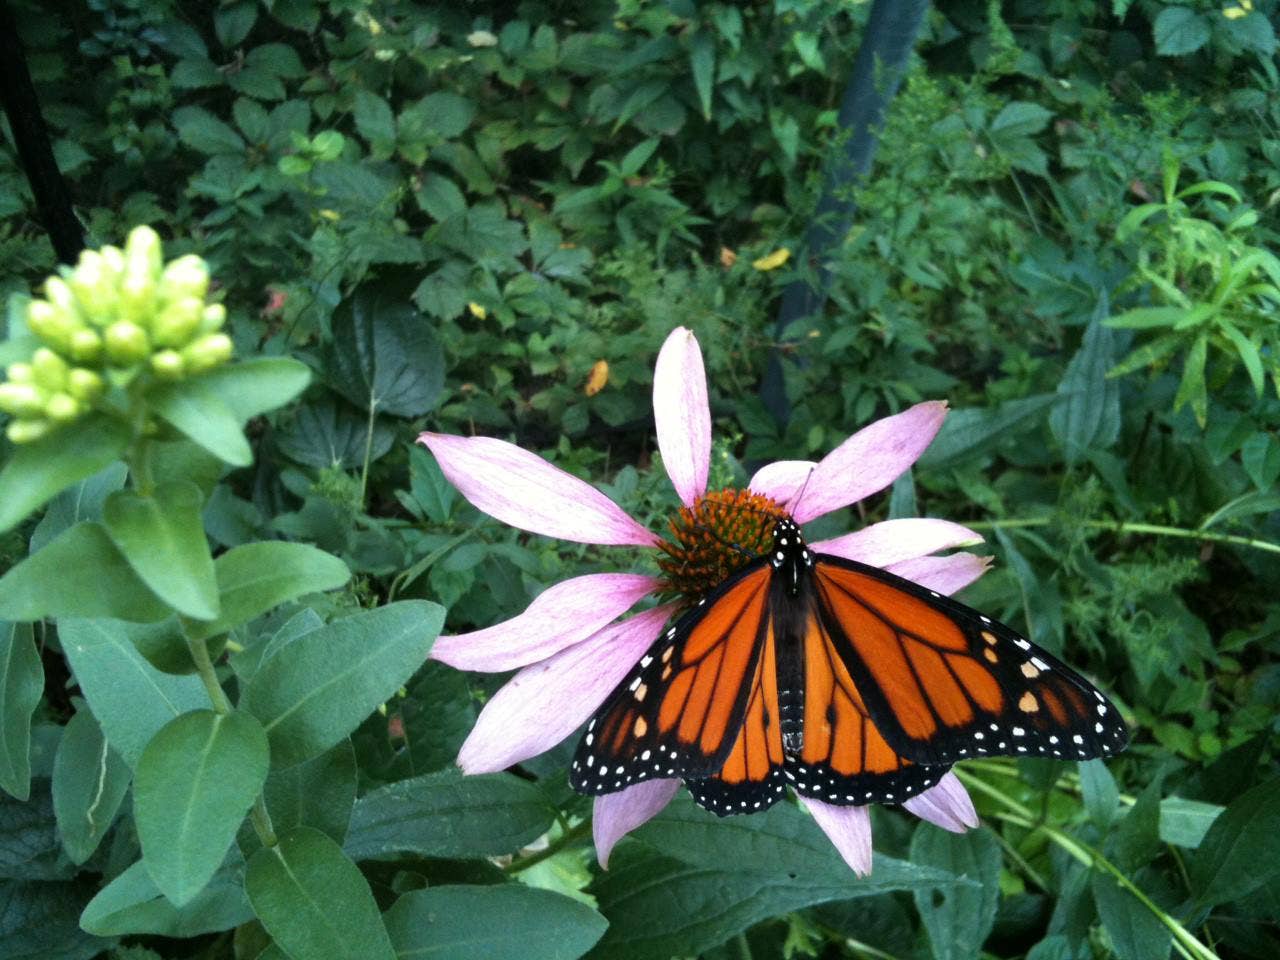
x: 117, y: 314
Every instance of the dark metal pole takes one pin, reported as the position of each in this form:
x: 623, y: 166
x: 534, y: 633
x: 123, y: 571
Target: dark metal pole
x: 18, y: 96
x: 882, y: 58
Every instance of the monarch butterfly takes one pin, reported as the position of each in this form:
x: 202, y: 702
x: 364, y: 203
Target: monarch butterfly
x: 848, y: 683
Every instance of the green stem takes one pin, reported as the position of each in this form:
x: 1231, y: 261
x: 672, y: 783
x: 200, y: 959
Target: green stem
x: 204, y: 666
x: 566, y: 839
x: 261, y: 821
x: 1020, y: 816
x: 1125, y: 527
x: 368, y: 453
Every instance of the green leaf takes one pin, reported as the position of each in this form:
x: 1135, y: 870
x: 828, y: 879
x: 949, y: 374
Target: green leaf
x: 79, y: 574
x: 375, y: 122
x: 162, y: 537
x: 89, y: 783
x: 958, y: 919
x: 1088, y: 418
x: 202, y: 131
x: 38, y: 921
x: 1179, y: 31
x: 318, y: 793
x: 1101, y: 795
x: 80, y: 501
x: 1260, y: 455
x: 253, y: 387
x: 1185, y: 822
x: 328, y: 432
x: 195, y: 782
x: 1249, y: 356
x: 316, y: 690
x: 38, y: 470
x: 1019, y: 119
x: 133, y: 904
x: 440, y: 197
x: 969, y: 433
x: 21, y: 684
x: 432, y: 495
x: 233, y: 22
x: 314, y: 902
x: 506, y: 922
x: 29, y: 847
x: 1136, y: 933
x: 448, y: 815
x: 1241, y: 851
x: 201, y: 412
x: 702, y: 63
x: 385, y: 356
x: 1192, y: 388
x: 1146, y: 318
x: 447, y: 114
x: 131, y: 699
x: 256, y: 577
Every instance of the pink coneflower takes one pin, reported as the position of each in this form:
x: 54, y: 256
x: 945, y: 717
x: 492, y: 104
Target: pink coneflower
x: 569, y: 645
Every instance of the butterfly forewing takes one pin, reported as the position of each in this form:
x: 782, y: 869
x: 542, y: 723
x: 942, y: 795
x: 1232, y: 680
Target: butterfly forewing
x: 680, y: 711
x: 942, y: 682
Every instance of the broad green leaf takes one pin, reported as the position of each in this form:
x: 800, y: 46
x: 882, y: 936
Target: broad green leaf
x: 314, y: 902
x: 201, y: 412
x: 433, y: 495
x: 1101, y: 795
x: 506, y: 922
x: 446, y: 114
x: 448, y: 815
x: 1088, y: 418
x: 80, y: 501
x: 232, y: 22
x: 1241, y: 851
x: 1185, y: 822
x: 202, y: 131
x: 958, y: 919
x: 385, y: 355
x: 21, y: 684
x: 38, y: 921
x: 330, y: 433
x: 29, y: 847
x: 702, y: 63
x: 257, y: 577
x: 375, y: 122
x: 1136, y: 933
x: 1135, y: 841
x: 1261, y: 458
x: 89, y: 784
x: 659, y: 907
x: 969, y: 433
x: 1019, y: 119
x: 133, y: 904
x: 79, y: 574
x: 131, y: 699
x: 195, y: 782
x: 253, y: 387
x: 162, y: 537
x: 316, y: 690
x: 1179, y: 31
x: 318, y: 793
x: 36, y: 471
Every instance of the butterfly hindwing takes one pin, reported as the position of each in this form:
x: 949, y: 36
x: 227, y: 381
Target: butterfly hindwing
x: 680, y: 711
x: 943, y: 682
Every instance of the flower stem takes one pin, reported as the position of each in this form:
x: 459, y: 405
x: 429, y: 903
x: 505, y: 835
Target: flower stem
x: 566, y: 839
x: 1126, y: 527
x: 204, y: 666
x: 1020, y: 816
x: 368, y: 453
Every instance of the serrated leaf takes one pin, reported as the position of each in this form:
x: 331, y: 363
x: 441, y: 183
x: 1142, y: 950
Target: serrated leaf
x: 1179, y: 31
x: 958, y: 919
x: 314, y: 902
x: 202, y: 131
x: 1020, y: 119
x: 21, y: 684
x: 385, y: 356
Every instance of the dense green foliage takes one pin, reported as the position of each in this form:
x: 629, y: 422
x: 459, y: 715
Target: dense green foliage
x: 451, y: 213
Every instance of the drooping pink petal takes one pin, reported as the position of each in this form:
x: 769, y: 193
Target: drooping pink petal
x: 617, y: 814
x: 545, y: 702
x: 523, y: 490
x: 893, y: 541
x: 869, y: 460
x: 944, y: 574
x: 782, y: 479
x: 849, y: 828
x: 682, y: 415
x: 558, y: 617
x: 947, y: 804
